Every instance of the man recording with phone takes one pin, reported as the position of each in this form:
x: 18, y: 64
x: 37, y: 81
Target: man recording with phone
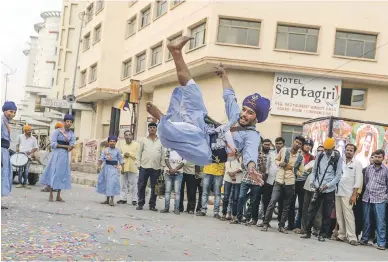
x: 324, y: 178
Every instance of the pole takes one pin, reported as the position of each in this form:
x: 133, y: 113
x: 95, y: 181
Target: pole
x: 6, y: 87
x: 12, y: 71
x: 76, y: 61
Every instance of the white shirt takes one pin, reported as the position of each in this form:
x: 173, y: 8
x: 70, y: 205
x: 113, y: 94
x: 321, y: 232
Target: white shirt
x: 27, y: 144
x: 351, y: 178
x: 232, y: 166
x: 174, y: 159
x: 307, y: 185
x: 272, y: 168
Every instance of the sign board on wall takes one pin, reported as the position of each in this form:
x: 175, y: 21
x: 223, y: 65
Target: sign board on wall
x: 305, y: 96
x: 54, y: 103
x: 124, y: 128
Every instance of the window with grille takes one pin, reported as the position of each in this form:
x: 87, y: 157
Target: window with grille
x: 239, y: 32
x: 156, y: 57
x: 97, y: 33
x: 89, y: 12
x: 289, y: 132
x: 355, y: 45
x: 145, y: 17
x: 198, y: 34
x: 297, y: 38
x: 140, y: 63
x: 161, y: 8
x: 93, y: 73
x: 131, y: 27
x: 353, y: 97
x: 127, y: 69
x: 83, y: 78
x: 86, y: 40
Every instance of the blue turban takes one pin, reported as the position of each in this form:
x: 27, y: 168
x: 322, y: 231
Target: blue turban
x: 112, y: 138
x: 258, y: 104
x: 9, y: 105
x: 68, y: 117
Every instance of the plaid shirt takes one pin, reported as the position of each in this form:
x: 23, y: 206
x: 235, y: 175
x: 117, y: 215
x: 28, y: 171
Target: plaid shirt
x: 376, y: 184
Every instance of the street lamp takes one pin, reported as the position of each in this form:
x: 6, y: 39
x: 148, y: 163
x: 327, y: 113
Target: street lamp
x: 81, y: 16
x: 12, y: 71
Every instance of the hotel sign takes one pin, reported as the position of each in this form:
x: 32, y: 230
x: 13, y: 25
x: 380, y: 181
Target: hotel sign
x: 305, y: 96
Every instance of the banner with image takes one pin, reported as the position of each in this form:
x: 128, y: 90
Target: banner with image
x: 366, y: 137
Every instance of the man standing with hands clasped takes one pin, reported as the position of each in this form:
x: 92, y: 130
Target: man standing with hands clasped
x: 129, y: 175
x: 346, y: 195
x: 326, y: 174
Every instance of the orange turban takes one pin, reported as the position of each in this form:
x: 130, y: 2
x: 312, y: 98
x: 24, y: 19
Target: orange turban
x: 329, y: 143
x: 58, y: 125
x: 26, y: 128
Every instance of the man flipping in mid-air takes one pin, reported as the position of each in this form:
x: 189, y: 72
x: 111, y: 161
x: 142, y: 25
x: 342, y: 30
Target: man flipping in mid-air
x: 185, y: 127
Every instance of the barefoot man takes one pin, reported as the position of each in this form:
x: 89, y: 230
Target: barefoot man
x: 184, y: 129
x: 57, y: 175
x: 9, y: 112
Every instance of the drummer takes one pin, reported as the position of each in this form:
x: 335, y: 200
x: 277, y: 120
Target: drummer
x: 27, y: 144
x: 57, y: 173
x: 9, y: 112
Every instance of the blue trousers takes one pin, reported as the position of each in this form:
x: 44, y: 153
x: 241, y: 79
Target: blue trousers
x: 23, y: 173
x: 379, y: 211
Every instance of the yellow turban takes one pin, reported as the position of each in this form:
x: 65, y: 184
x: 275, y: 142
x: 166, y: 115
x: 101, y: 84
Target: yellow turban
x: 26, y: 128
x: 329, y: 143
x: 58, y: 125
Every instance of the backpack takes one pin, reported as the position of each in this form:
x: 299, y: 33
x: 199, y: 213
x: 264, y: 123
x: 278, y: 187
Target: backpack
x: 333, y: 161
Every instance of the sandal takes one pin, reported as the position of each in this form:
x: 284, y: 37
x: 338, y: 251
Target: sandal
x: 251, y: 223
x: 265, y: 228
x: 234, y: 222
x: 282, y: 230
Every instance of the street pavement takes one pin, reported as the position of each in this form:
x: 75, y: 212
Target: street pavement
x: 83, y: 229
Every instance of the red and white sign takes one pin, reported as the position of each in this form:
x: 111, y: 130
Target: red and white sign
x: 305, y: 96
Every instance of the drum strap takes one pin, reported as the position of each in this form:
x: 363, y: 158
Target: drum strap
x: 8, y: 128
x: 107, y: 154
x: 64, y: 134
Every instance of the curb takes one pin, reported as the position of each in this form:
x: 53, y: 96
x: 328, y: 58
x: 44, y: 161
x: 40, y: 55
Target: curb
x: 83, y: 181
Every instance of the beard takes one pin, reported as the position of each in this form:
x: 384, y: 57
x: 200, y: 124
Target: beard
x: 265, y: 150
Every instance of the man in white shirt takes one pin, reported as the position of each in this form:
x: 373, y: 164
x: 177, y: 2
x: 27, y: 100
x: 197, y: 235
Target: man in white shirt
x: 27, y: 144
x: 346, y: 195
x: 173, y: 174
x: 149, y: 160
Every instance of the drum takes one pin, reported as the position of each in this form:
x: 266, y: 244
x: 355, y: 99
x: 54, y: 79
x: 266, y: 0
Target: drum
x: 42, y: 156
x: 19, y: 159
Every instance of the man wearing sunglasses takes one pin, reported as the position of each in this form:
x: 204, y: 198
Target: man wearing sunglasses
x: 149, y: 161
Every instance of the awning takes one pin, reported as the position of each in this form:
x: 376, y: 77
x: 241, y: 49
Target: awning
x: 35, y: 123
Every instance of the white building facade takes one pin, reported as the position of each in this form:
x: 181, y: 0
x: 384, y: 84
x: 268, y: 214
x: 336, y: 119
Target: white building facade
x: 40, y: 70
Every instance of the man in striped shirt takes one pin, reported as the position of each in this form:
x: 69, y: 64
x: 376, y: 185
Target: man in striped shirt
x: 375, y: 198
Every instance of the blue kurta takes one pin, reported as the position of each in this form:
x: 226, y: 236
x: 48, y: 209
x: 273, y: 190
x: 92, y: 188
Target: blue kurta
x: 57, y: 173
x: 184, y: 130
x: 6, y: 166
x: 108, y: 179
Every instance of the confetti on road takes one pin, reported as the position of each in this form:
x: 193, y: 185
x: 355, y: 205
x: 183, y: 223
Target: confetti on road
x: 28, y: 242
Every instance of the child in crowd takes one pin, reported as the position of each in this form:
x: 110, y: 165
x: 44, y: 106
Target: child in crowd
x: 108, y: 179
